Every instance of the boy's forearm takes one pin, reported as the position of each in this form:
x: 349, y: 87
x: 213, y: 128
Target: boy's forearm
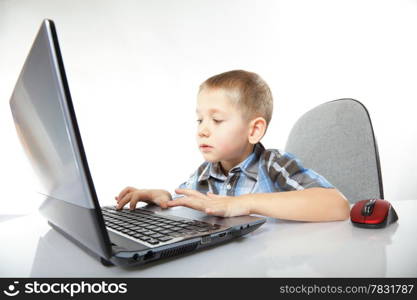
x: 313, y: 204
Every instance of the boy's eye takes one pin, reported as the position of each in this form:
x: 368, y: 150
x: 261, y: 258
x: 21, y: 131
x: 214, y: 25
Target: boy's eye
x: 214, y: 120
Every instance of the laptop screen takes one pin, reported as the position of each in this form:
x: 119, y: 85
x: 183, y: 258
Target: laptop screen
x: 47, y: 128
x: 40, y: 105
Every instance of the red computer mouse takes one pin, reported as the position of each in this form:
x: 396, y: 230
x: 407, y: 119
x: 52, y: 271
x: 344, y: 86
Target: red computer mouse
x: 373, y: 213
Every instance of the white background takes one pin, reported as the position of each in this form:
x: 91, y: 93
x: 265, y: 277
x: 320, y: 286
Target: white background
x: 134, y: 68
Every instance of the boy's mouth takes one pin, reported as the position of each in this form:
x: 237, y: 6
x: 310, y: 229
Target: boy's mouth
x: 205, y: 147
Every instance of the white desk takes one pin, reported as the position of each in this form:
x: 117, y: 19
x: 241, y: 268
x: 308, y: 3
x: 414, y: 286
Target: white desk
x: 30, y: 248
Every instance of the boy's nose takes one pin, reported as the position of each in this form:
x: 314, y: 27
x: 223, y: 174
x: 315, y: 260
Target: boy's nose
x: 203, y: 132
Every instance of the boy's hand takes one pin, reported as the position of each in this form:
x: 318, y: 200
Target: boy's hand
x: 134, y: 195
x: 224, y: 206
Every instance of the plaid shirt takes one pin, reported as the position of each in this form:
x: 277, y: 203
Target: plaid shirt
x: 263, y: 171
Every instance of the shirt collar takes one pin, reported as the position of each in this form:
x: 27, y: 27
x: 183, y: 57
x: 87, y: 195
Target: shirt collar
x: 249, y: 166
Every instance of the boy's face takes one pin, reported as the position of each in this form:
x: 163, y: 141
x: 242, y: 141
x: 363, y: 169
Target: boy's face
x: 222, y: 133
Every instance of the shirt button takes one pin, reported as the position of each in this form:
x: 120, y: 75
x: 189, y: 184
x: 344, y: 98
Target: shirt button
x: 229, y: 187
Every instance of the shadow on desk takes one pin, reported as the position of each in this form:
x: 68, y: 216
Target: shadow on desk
x: 277, y: 249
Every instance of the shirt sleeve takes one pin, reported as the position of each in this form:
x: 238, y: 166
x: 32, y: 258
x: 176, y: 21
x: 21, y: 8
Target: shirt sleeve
x: 288, y: 174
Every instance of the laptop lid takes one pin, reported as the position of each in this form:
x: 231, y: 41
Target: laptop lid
x: 46, y: 124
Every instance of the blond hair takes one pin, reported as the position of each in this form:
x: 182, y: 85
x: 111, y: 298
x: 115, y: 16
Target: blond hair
x: 247, y: 89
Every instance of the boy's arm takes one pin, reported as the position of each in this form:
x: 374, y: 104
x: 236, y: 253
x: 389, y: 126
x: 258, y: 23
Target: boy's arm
x: 313, y: 204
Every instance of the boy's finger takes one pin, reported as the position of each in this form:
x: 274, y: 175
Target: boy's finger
x: 123, y: 201
x: 132, y: 204
x: 208, y: 210
x: 190, y: 202
x: 124, y: 192
x: 183, y: 201
x: 160, y: 202
x: 180, y: 191
x: 188, y: 192
x: 163, y: 204
x: 176, y: 202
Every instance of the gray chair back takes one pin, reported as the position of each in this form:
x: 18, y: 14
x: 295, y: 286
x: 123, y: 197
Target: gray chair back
x: 336, y: 139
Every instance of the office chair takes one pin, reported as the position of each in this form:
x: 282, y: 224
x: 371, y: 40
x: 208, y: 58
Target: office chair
x: 336, y: 139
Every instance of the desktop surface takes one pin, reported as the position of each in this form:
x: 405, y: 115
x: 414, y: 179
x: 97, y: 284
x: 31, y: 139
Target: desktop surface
x: 31, y: 248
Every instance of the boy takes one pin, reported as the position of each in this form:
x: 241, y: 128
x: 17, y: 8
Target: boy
x: 240, y: 177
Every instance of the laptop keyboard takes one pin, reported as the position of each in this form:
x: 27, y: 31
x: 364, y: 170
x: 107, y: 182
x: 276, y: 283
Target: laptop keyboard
x: 152, y: 228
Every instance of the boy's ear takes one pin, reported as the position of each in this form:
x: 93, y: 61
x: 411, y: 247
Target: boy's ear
x: 257, y: 128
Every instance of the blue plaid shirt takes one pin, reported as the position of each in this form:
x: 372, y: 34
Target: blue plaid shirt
x: 263, y: 171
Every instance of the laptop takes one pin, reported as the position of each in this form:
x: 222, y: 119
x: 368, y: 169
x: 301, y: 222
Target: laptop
x: 47, y: 127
